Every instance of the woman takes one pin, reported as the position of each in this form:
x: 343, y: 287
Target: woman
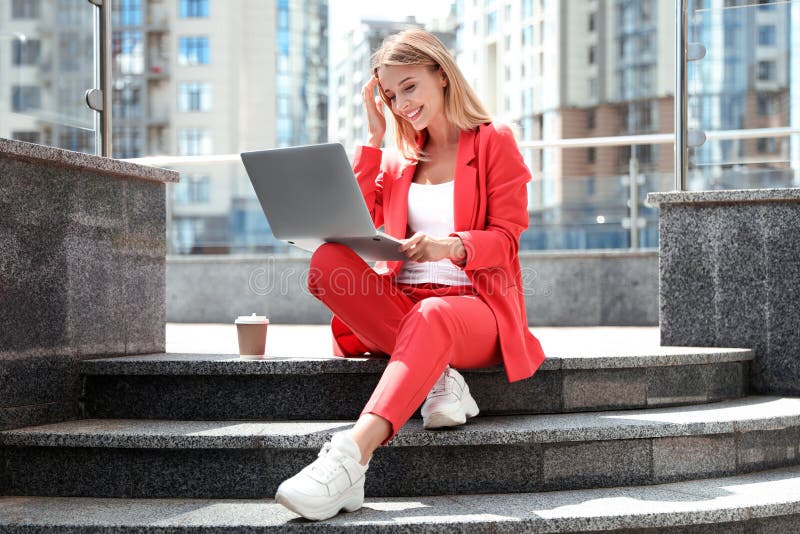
x: 459, y: 205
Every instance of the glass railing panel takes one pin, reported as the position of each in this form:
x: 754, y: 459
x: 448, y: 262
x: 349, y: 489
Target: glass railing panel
x: 46, y: 66
x: 214, y: 210
x: 747, y: 81
x: 584, y: 201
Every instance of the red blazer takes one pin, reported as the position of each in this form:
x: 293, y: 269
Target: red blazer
x: 491, y: 211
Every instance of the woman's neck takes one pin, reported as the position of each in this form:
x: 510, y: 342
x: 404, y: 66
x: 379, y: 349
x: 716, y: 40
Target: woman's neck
x: 441, y: 136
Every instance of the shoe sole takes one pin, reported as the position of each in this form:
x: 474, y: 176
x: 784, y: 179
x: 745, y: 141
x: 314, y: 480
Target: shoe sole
x: 455, y: 417
x: 348, y: 503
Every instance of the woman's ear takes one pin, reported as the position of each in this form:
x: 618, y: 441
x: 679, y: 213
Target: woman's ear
x: 444, y: 76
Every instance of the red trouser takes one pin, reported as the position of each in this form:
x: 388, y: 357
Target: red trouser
x: 424, y: 327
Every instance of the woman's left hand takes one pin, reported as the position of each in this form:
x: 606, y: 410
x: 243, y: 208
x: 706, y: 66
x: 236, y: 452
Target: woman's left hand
x: 421, y: 247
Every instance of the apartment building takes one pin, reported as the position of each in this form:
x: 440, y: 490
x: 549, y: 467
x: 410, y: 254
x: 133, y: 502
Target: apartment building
x: 562, y: 69
x: 189, y: 78
x: 250, y: 74
x: 743, y: 83
x: 46, y: 66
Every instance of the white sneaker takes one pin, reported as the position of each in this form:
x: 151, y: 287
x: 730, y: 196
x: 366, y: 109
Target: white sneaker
x: 449, y: 402
x: 333, y: 481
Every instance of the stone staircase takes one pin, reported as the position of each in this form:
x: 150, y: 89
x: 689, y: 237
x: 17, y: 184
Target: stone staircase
x: 636, y: 441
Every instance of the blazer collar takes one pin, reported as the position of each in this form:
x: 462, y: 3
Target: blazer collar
x: 465, y: 187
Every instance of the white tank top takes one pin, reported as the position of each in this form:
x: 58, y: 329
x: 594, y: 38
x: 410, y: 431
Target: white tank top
x: 430, y: 210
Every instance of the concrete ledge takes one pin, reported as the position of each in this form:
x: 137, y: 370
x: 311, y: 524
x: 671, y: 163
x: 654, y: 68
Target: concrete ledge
x: 58, y: 157
x: 747, y: 414
x: 231, y: 364
x: 201, y: 387
x: 730, y: 276
x: 82, y: 246
x: 562, y: 288
x: 248, y: 459
x: 723, y: 195
x: 768, y: 501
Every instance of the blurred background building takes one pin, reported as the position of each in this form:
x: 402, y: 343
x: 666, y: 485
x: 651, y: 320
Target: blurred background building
x: 210, y: 77
x: 347, y: 119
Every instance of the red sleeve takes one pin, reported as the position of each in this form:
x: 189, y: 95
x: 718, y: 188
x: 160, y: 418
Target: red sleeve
x: 507, y: 177
x: 374, y: 174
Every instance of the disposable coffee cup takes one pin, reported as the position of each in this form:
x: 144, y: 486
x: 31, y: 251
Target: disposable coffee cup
x: 252, y: 333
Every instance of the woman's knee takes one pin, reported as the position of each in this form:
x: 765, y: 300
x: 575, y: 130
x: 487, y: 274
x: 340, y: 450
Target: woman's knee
x: 432, y: 313
x: 328, y: 254
x: 326, y: 266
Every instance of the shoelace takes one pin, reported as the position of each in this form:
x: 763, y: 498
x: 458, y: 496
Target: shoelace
x: 442, y: 385
x: 326, y: 465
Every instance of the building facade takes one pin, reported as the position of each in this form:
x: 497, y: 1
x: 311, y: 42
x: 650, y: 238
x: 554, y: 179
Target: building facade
x: 189, y: 78
x: 46, y: 66
x: 561, y: 69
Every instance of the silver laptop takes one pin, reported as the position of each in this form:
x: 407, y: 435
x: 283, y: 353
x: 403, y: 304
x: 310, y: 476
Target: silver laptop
x: 310, y: 196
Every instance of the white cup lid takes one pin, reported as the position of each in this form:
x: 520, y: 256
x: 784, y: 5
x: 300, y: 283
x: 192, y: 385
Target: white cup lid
x: 252, y: 319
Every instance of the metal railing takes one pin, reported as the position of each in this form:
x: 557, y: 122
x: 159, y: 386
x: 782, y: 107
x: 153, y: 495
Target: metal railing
x: 682, y: 138
x: 99, y: 98
x: 634, y: 180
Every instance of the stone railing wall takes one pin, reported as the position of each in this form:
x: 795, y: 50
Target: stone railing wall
x: 82, y: 261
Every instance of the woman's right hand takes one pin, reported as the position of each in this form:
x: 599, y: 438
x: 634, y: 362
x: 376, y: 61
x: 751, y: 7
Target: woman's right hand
x: 376, y: 122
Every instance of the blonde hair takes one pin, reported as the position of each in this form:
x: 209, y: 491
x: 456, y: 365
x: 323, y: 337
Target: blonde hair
x: 462, y: 107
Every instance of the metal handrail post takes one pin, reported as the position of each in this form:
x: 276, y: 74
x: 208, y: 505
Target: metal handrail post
x: 100, y: 99
x: 633, y: 171
x: 681, y: 43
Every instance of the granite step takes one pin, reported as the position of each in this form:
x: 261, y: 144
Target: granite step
x: 248, y: 459
x: 221, y: 386
x: 762, y: 502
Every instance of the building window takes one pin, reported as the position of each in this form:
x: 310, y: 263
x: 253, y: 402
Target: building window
x: 591, y: 55
x: 193, y: 9
x: 527, y: 35
x: 26, y: 97
x: 508, y: 13
x: 766, y: 35
x: 491, y: 22
x: 128, y: 52
x: 128, y: 142
x: 766, y: 70
x: 527, y: 8
x: 527, y: 102
x: 25, y: 9
x: 592, y: 87
x: 194, y: 142
x: 68, y: 45
x: 590, y: 119
x: 645, y: 9
x: 126, y: 100
x: 193, y: 189
x: 25, y: 52
x: 765, y: 104
x: 77, y: 140
x: 127, y: 13
x: 591, y: 155
x: 193, y: 51
x: 592, y: 17
x: 766, y: 145
x: 194, y: 97
x: 70, y: 13
x: 28, y: 137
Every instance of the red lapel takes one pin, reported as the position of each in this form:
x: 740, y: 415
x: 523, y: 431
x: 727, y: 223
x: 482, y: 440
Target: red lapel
x: 465, y: 189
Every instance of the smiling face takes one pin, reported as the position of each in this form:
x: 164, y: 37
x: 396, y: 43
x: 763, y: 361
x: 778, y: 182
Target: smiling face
x: 416, y: 93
